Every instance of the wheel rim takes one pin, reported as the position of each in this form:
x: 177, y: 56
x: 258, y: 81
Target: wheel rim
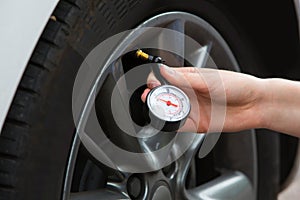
x: 236, y: 181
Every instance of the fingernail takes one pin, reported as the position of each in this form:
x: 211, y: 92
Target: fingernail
x: 168, y: 70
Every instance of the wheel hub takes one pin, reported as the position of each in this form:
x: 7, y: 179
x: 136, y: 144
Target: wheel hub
x: 162, y: 192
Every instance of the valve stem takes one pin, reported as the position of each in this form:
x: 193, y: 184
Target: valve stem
x: 146, y: 57
x: 153, y: 59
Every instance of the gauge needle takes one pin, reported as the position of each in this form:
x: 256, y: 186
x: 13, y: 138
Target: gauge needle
x: 169, y: 103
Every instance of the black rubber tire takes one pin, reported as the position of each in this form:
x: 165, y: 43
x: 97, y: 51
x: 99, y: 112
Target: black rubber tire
x: 38, y: 132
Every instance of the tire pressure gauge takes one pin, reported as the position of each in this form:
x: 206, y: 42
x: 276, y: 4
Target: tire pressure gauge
x: 167, y: 106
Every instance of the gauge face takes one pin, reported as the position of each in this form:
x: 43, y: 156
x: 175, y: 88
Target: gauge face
x: 168, y: 103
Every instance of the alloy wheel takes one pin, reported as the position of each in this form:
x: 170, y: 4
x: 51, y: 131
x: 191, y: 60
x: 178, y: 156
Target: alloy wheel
x: 234, y: 174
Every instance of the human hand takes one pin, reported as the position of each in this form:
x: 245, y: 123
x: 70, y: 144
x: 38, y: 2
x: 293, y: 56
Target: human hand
x: 239, y: 95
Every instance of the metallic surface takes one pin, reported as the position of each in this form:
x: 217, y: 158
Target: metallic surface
x: 162, y: 192
x: 93, y: 195
x: 232, y: 185
x: 22, y: 23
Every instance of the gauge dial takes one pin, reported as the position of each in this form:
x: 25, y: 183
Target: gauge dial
x: 169, y: 104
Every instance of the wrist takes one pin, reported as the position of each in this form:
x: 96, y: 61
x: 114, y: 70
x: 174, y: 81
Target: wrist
x: 265, y: 103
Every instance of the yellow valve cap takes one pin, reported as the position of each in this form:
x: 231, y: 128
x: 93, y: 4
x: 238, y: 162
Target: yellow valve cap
x: 141, y: 54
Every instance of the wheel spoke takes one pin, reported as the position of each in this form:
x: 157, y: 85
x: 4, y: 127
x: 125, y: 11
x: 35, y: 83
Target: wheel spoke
x: 150, y: 143
x: 117, y: 185
x: 114, y: 99
x: 185, y: 160
x: 118, y: 75
x: 174, y: 41
x: 199, y: 57
x: 98, y: 194
x: 107, y: 170
x: 232, y: 185
x: 175, y: 144
x: 177, y: 25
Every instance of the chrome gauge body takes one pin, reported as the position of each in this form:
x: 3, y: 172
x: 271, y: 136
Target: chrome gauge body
x: 168, y: 107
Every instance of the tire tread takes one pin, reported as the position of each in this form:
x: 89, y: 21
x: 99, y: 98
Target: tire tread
x: 39, y: 69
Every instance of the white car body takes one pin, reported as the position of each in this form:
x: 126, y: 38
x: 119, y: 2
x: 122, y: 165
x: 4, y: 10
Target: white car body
x: 22, y: 23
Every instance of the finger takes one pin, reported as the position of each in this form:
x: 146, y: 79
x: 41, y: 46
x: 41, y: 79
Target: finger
x: 186, y: 69
x: 144, y: 95
x: 152, y: 82
x: 186, y: 77
x: 174, y: 76
x: 193, y: 70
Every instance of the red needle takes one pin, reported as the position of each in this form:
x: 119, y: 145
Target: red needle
x: 169, y: 103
